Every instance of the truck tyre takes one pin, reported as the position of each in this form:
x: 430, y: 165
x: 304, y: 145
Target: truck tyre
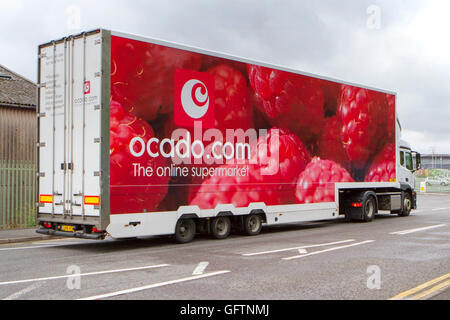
x: 407, y: 205
x: 252, y: 224
x: 220, y: 227
x: 184, y: 230
x: 368, y: 209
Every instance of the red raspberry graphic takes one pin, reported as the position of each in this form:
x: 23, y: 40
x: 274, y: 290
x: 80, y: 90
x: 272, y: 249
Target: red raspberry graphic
x: 142, y: 75
x: 363, y: 118
x: 269, y: 179
x: 290, y: 101
x: 240, y: 190
x: 209, y: 62
x: 233, y: 109
x: 316, y: 183
x: 331, y: 92
x: 383, y: 166
x: 131, y: 192
x: 292, y: 153
x: 330, y: 145
x: 390, y: 118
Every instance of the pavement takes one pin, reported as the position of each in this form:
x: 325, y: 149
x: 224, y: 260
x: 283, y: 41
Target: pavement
x: 22, y: 235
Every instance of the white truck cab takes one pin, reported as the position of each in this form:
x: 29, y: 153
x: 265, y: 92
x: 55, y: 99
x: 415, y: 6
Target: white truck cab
x: 409, y: 163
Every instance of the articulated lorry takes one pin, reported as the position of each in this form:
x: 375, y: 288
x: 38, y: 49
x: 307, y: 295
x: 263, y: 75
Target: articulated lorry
x: 141, y: 137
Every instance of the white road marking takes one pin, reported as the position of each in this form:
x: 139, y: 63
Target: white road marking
x: 417, y: 229
x: 20, y: 293
x: 35, y: 247
x: 302, y: 251
x: 155, y: 285
x: 438, y: 209
x: 83, y: 274
x: 296, y: 248
x: 200, y: 268
x: 330, y: 249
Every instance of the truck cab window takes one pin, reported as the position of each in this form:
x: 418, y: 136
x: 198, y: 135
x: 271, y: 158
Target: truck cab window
x: 409, y: 161
x: 402, y: 158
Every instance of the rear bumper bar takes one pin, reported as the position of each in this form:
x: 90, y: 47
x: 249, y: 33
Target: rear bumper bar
x: 51, y: 232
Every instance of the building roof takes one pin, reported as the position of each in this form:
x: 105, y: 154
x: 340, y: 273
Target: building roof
x: 436, y: 155
x: 16, y: 90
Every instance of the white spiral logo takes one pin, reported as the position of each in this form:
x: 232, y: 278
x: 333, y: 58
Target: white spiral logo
x: 195, y: 99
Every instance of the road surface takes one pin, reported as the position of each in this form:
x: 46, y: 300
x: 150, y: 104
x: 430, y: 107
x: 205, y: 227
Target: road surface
x: 389, y: 258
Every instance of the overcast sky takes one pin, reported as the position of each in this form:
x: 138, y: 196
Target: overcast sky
x: 401, y: 46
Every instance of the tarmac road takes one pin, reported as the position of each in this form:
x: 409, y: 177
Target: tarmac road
x: 391, y: 257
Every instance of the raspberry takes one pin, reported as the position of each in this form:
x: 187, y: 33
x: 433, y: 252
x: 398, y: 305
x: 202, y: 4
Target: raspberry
x: 239, y: 190
x: 383, y: 166
x: 209, y: 62
x: 290, y: 101
x: 363, y: 116
x: 131, y: 192
x: 268, y: 180
x: 233, y: 109
x: 330, y: 145
x: 391, y: 118
x: 292, y: 154
x: 331, y: 92
x: 142, y: 75
x: 316, y: 183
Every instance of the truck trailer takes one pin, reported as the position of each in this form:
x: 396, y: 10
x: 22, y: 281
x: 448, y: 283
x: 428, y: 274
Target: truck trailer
x: 141, y: 137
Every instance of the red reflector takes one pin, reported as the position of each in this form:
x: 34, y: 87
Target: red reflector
x: 47, y: 225
x: 356, y: 205
x: 96, y: 230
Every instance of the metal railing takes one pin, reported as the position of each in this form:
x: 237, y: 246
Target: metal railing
x: 17, y: 167
x: 17, y: 194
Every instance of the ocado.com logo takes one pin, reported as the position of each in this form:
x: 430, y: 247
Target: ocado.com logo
x: 194, y: 98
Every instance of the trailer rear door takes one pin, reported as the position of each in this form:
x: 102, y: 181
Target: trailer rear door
x: 69, y: 129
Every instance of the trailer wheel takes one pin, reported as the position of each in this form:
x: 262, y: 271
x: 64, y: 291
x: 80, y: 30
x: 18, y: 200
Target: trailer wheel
x: 220, y: 227
x: 369, y: 209
x: 184, y: 231
x: 407, y: 205
x: 252, y: 224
